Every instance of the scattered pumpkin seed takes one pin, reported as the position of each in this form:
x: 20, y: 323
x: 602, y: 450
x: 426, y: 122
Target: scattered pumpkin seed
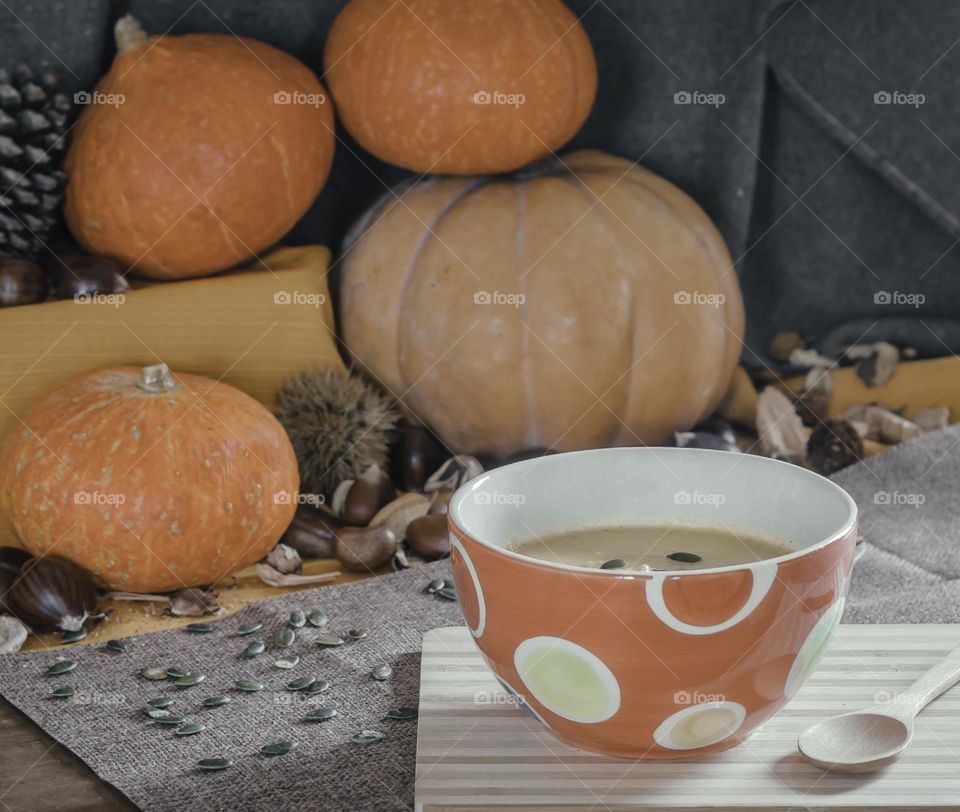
x: 288, y: 662
x: 357, y: 634
x: 215, y: 701
x: 176, y: 672
x: 301, y: 683
x: 74, y: 636
x: 153, y: 673
x: 280, y: 748
x: 170, y: 720
x: 402, y: 714
x: 320, y: 714
x: 156, y: 713
x: 318, y: 619
x: 365, y: 737
x: 199, y: 628
x: 298, y: 619
x: 285, y: 637
x: 255, y: 649
x: 63, y: 693
x: 116, y: 646
x: 61, y: 667
x: 329, y: 640
x: 685, y: 558
x: 249, y: 628
x: 381, y: 671
x: 250, y: 685
x: 319, y: 687
x: 189, y: 680
x: 447, y: 593
x: 189, y: 729
x: 613, y: 564
x: 160, y: 702
x: 436, y: 585
x: 213, y: 764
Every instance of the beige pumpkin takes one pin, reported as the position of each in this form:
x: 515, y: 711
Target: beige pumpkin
x: 593, y: 304
x: 150, y: 480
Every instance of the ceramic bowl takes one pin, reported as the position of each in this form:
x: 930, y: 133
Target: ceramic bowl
x: 663, y: 665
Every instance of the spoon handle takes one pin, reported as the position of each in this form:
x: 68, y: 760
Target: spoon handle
x: 928, y: 687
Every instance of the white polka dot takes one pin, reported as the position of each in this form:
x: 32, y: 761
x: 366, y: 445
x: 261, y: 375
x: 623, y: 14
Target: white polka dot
x: 477, y: 630
x: 813, y: 649
x: 567, y: 679
x: 700, y: 725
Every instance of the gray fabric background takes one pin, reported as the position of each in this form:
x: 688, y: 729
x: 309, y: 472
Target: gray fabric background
x: 825, y: 198
x: 910, y: 573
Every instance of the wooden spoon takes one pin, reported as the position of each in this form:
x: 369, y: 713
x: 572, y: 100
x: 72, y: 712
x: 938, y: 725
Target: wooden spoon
x: 867, y: 740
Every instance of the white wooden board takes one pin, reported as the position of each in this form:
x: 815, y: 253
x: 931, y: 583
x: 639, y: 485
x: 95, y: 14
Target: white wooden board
x: 491, y: 755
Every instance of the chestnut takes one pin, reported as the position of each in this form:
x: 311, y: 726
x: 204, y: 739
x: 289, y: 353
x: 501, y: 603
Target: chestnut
x: 21, y: 282
x: 78, y: 275
x: 364, y: 549
x: 429, y: 536
x: 415, y: 455
x: 369, y: 492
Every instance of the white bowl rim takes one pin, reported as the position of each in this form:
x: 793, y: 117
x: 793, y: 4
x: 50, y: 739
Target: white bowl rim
x: 753, y: 459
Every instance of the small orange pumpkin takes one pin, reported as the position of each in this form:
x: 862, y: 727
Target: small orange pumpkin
x: 151, y: 481
x: 460, y: 86
x: 196, y: 152
x: 594, y: 304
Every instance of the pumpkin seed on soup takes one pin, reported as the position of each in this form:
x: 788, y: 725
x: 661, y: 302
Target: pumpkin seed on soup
x: 613, y: 564
x: 73, y: 636
x: 685, y: 558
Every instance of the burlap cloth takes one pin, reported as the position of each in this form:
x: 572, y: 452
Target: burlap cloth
x: 910, y: 574
x: 157, y: 770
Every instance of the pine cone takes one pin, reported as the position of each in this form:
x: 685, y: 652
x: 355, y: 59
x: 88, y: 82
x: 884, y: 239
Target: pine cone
x: 32, y: 122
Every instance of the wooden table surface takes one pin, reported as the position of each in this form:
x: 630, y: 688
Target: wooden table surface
x: 39, y: 775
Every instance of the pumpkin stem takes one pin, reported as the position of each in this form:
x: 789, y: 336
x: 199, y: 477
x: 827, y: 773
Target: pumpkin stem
x: 129, y: 34
x: 156, y: 379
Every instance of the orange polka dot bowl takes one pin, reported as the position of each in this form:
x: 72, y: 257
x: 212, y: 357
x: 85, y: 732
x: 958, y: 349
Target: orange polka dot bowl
x: 662, y: 664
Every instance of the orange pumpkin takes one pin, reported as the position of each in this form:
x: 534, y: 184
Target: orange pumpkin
x: 196, y: 152
x: 150, y: 481
x: 592, y: 305
x: 460, y: 86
